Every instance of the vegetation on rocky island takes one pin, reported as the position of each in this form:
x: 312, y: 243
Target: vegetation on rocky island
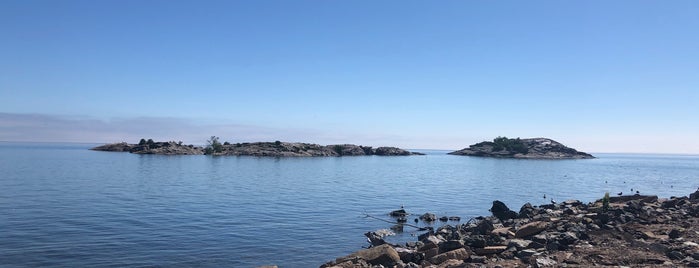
x: 213, y: 146
x: 511, y: 145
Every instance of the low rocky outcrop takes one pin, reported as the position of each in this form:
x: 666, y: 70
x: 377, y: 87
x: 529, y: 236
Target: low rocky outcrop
x: 114, y: 147
x: 163, y: 148
x: 630, y: 231
x: 272, y: 149
x: 535, y: 148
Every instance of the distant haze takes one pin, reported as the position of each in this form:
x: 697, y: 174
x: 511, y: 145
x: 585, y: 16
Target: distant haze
x: 598, y: 76
x: 43, y: 128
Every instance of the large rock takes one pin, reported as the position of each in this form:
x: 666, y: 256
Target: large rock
x: 694, y: 196
x: 501, y: 211
x: 530, y: 229
x: 384, y: 255
x: 457, y: 254
x: 535, y: 148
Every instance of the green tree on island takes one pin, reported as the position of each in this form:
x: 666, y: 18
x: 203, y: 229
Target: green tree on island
x: 511, y: 145
x: 213, y: 146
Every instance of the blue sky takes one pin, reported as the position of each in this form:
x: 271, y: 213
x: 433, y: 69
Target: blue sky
x: 600, y: 76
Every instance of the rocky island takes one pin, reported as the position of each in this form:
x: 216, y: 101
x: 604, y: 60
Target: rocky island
x: 534, y: 148
x: 272, y: 149
x: 620, y: 231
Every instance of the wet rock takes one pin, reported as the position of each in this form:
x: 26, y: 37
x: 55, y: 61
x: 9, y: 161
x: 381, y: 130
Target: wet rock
x: 375, y: 239
x: 424, y: 236
x: 530, y: 229
x: 399, y: 213
x: 457, y: 254
x: 443, y: 218
x: 384, y: 255
x: 501, y: 211
x: 454, y: 218
x: 428, y: 217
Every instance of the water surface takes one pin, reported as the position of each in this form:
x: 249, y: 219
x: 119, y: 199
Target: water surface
x: 63, y: 205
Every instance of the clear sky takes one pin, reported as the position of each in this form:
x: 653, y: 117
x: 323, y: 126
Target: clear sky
x: 599, y: 76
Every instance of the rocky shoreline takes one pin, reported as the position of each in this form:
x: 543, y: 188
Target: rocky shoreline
x: 270, y: 149
x: 622, y: 231
x: 534, y: 148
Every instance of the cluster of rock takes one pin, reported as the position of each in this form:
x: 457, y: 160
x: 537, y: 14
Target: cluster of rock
x: 293, y: 149
x: 536, y: 148
x: 164, y: 148
x: 625, y: 231
x: 273, y: 149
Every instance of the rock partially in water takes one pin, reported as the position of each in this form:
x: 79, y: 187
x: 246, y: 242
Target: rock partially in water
x: 399, y: 213
x: 114, y: 147
x: 648, y: 231
x: 501, y: 211
x: 164, y: 148
x: 428, y: 217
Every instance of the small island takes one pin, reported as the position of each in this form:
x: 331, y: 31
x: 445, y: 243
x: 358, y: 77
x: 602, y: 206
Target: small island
x: 271, y: 149
x: 534, y: 148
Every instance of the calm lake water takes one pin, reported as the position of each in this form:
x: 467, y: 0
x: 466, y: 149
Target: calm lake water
x: 63, y: 205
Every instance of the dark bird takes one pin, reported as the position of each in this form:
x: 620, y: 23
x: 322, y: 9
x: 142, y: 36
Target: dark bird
x: 415, y: 220
x: 605, y: 181
x: 632, y: 189
x: 620, y: 193
x: 544, y: 196
x: 637, y: 192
